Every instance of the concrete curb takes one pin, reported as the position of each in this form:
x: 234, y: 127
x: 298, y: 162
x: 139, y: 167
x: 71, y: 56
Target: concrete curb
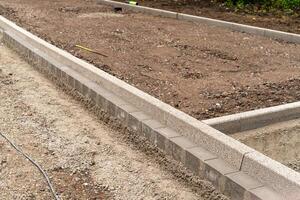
x: 285, y: 36
x: 206, y: 151
x: 255, y: 119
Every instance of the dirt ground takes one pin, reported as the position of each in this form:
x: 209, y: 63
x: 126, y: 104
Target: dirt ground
x: 201, y: 70
x: 83, y: 156
x: 280, y: 141
x: 274, y: 20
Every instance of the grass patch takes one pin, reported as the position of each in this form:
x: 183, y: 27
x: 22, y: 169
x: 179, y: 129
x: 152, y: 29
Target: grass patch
x: 285, y: 5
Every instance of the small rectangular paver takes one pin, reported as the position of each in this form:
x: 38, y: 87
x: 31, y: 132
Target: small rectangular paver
x: 163, y: 136
x: 135, y: 121
x: 195, y: 158
x: 237, y: 184
x: 122, y: 113
x: 148, y: 129
x: 179, y: 145
x: 215, y: 171
x: 264, y: 193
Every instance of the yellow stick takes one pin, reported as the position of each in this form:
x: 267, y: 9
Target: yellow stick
x: 90, y: 50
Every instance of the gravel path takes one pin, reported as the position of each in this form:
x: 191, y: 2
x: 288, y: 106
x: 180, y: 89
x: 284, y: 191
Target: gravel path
x: 84, y: 158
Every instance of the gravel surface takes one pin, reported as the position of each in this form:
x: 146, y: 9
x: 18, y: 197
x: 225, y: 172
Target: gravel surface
x: 84, y: 157
x: 204, y: 71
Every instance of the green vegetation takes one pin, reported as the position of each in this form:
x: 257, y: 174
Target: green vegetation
x: 266, y: 4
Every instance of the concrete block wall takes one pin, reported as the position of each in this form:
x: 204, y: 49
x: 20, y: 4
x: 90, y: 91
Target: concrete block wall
x: 204, y: 150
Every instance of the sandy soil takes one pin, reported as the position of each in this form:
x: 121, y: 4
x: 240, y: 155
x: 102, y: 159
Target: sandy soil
x: 280, y: 141
x: 203, y: 71
x: 84, y: 157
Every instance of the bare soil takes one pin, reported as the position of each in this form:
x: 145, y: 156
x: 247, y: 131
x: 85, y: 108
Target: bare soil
x: 204, y: 71
x: 280, y: 141
x: 84, y: 157
x: 277, y: 20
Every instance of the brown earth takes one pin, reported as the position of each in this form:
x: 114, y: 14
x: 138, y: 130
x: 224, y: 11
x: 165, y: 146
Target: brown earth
x: 278, y: 20
x: 201, y: 70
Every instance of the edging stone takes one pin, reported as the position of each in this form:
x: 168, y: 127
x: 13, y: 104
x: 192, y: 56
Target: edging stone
x: 255, y: 119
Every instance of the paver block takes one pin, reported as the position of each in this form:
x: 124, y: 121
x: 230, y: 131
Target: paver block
x: 78, y: 85
x: 135, y: 121
x: 101, y: 99
x: 64, y: 77
x: 113, y: 102
x: 179, y: 145
x: 85, y: 90
x: 263, y: 193
x: 148, y: 130
x: 71, y: 81
x: 122, y: 113
x: 237, y: 184
x: 195, y: 158
x: 92, y: 95
x: 215, y: 171
x: 163, y: 137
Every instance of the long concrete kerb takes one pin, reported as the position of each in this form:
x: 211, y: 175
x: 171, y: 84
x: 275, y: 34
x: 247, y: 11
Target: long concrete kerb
x: 284, y: 36
x: 255, y: 119
x: 234, y: 168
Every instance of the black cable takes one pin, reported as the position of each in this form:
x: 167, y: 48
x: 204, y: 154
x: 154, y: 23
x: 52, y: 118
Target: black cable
x: 56, y: 197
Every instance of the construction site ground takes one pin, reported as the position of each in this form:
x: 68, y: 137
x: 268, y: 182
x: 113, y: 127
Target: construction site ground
x: 279, y: 141
x: 253, y: 15
x: 204, y: 71
x: 84, y: 157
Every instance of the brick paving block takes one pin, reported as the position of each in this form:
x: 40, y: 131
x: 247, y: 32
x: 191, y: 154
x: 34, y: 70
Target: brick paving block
x: 102, y: 96
x: 85, y: 90
x: 71, y: 81
x: 57, y: 72
x: 163, y: 137
x: 237, y: 184
x: 179, y: 146
x: 263, y: 193
x: 112, y: 104
x: 92, y: 95
x: 78, y: 85
x: 215, y: 171
x: 195, y: 158
x: 64, y: 77
x: 148, y: 130
x: 135, y: 121
x: 123, y: 111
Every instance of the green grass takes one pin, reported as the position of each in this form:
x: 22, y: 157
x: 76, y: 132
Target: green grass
x: 266, y: 4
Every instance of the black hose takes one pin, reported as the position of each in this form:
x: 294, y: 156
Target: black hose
x: 56, y: 197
